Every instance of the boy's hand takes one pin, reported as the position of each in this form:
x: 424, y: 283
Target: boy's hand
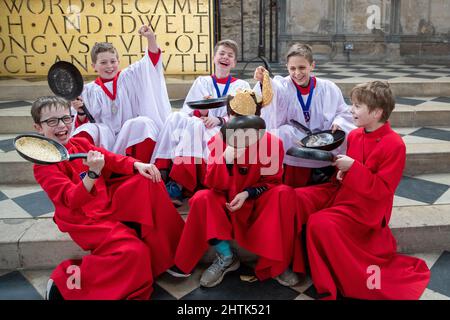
x: 343, y: 163
x: 237, y: 202
x: 210, y: 122
x: 148, y: 170
x: 95, y: 161
x: 207, y: 97
x: 335, y: 127
x: 77, y: 104
x: 259, y: 74
x: 147, y: 32
x: 340, y: 175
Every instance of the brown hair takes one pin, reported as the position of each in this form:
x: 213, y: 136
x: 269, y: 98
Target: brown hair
x: 375, y: 94
x: 229, y: 44
x: 100, y: 47
x: 47, y: 102
x: 300, y: 50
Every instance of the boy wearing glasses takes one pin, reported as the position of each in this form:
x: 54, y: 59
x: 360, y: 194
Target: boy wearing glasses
x: 125, y: 220
x: 129, y: 106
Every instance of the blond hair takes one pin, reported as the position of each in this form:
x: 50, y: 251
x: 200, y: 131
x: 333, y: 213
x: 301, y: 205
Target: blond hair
x: 375, y: 94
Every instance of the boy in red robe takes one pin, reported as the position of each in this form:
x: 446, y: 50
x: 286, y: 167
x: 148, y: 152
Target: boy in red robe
x: 351, y: 249
x: 245, y: 201
x: 125, y: 219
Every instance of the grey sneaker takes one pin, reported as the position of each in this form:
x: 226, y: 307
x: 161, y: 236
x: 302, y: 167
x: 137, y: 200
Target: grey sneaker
x: 288, y: 278
x: 212, y: 276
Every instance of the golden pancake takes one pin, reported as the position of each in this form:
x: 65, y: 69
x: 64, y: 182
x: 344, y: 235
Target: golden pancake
x: 38, y: 149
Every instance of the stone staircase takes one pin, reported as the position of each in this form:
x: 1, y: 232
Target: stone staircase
x: 35, y: 242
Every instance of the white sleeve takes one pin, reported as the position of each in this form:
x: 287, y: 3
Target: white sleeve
x: 92, y: 101
x: 343, y: 118
x: 198, y: 91
x: 275, y: 113
x: 146, y: 89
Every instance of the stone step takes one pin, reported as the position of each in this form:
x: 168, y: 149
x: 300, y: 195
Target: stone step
x: 424, y: 155
x: 37, y: 243
x: 177, y: 88
x: 421, y: 112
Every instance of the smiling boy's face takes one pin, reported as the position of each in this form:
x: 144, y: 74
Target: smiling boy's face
x: 224, y: 59
x: 61, y: 132
x: 106, y: 65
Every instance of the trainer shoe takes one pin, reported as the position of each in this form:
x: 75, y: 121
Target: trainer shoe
x: 175, y: 193
x: 174, y: 271
x: 212, y: 276
x: 288, y: 278
x: 52, y: 292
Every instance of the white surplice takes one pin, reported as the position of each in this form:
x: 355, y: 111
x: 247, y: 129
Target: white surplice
x: 185, y: 135
x: 327, y: 108
x: 141, y: 107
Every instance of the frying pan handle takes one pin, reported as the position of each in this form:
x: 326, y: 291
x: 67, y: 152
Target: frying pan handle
x: 298, y: 125
x: 74, y: 156
x: 88, y: 114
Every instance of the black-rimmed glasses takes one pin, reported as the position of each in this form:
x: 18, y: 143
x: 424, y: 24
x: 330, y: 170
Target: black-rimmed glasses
x: 53, y: 122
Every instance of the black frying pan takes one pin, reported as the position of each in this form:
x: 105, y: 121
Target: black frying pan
x: 334, y: 139
x: 66, y: 81
x: 244, y: 123
x: 310, y: 154
x: 23, y: 142
x: 208, y: 103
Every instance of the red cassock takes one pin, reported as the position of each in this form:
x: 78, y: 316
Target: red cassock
x: 264, y: 226
x: 122, y: 264
x: 350, y: 246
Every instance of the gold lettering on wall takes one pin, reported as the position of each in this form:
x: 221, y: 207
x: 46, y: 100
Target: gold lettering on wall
x: 34, y: 34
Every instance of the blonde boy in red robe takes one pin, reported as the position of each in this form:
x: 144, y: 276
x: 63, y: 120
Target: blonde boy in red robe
x: 245, y: 201
x: 351, y: 249
x: 127, y: 222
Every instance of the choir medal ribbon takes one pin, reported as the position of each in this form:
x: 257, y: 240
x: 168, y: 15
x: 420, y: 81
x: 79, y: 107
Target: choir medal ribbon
x: 306, y: 107
x: 225, y: 90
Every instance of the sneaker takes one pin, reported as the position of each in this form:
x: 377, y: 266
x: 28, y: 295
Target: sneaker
x: 288, y: 278
x: 174, y: 271
x: 212, y: 276
x: 175, y: 193
x: 52, y: 292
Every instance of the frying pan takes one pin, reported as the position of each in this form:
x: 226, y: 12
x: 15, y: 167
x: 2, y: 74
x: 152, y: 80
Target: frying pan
x: 208, y: 103
x: 66, y: 81
x: 310, y: 154
x: 22, y: 139
x: 336, y: 138
x: 233, y: 132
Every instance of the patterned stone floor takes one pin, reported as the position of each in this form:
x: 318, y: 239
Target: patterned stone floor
x: 31, y: 285
x: 340, y: 71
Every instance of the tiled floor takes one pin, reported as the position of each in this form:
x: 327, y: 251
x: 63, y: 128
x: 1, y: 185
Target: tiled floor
x: 30, y: 285
x: 29, y: 201
x: 341, y: 71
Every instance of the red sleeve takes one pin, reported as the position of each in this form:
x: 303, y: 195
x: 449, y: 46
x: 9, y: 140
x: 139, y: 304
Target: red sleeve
x: 217, y: 176
x: 154, y: 56
x: 60, y: 189
x: 271, y: 162
x: 381, y: 184
x: 113, y: 162
x: 78, y: 122
x: 118, y: 163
